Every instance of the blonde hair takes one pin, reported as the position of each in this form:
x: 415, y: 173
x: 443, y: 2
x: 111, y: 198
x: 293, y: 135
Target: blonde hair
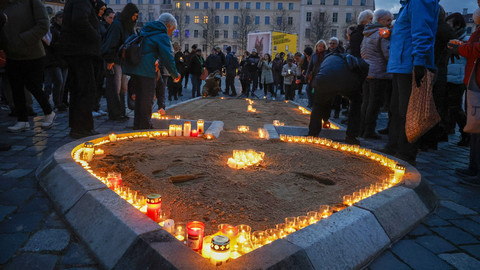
x: 321, y: 41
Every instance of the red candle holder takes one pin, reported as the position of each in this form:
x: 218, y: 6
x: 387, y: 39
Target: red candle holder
x: 230, y: 231
x: 115, y: 180
x: 154, y: 205
x: 194, y: 133
x: 195, y: 232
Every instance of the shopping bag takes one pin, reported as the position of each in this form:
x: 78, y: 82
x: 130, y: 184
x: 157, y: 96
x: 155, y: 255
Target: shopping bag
x: 473, y: 104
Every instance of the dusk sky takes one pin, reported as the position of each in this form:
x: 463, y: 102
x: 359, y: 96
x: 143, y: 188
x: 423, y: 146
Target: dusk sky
x: 448, y: 5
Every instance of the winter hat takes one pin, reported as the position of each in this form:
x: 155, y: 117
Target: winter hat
x: 254, y: 50
x: 476, y: 16
x: 228, y: 49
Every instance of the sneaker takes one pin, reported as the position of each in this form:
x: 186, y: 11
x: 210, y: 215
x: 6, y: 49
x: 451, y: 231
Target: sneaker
x: 19, y: 126
x: 49, y: 118
x: 471, y: 181
x: 465, y: 172
x: 96, y: 114
x: 162, y: 111
x: 102, y: 112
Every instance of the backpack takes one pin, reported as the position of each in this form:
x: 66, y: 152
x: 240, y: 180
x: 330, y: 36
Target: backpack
x: 131, y: 50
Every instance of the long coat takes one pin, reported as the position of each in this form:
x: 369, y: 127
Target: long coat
x: 266, y: 70
x: 375, y: 51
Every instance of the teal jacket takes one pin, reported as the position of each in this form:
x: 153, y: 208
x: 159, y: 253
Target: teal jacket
x: 156, y: 46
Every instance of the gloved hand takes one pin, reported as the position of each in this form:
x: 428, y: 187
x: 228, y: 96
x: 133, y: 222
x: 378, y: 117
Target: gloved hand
x: 420, y: 72
x: 176, y: 80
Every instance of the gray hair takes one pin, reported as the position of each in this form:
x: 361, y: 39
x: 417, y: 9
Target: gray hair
x: 381, y: 13
x: 333, y: 38
x: 364, y: 15
x: 167, y: 19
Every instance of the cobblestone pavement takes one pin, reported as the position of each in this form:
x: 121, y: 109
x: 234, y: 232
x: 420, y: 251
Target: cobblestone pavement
x: 33, y: 236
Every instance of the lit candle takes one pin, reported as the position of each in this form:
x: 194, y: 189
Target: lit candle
x: 154, y: 206
x: 178, y: 130
x: 195, y: 230
x: 200, y: 125
x: 177, y: 117
x: 243, y: 129
x: 112, y: 137
x: 171, y: 130
x: 399, y: 172
x: 194, y: 133
x: 206, y: 246
x: 231, y: 232
x: 88, y: 150
x: 187, y: 127
x: 169, y: 225
x: 180, y: 232
x: 276, y: 123
x: 348, y: 200
x: 99, y: 152
x: 220, y: 250
x: 114, y: 179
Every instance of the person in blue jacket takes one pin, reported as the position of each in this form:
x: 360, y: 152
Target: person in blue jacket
x: 411, y: 51
x: 156, y: 46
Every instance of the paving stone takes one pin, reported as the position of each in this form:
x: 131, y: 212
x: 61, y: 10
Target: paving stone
x: 21, y: 222
x: 9, y: 243
x: 18, y: 173
x: 77, y: 255
x: 475, y: 218
x: 28, y: 182
x: 461, y: 261
x: 417, y: 256
x: 435, y: 244
x: 7, y: 182
x: 446, y: 213
x: 467, y: 225
x: 446, y: 194
x: 48, y: 240
x: 455, y: 235
x: 7, y: 166
x: 419, y: 231
x: 33, y: 261
x: 37, y: 204
x: 54, y: 221
x: 387, y: 261
x: 5, y: 211
x: 16, y: 196
x: 474, y: 250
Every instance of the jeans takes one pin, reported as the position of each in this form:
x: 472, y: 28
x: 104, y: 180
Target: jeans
x: 56, y: 77
x: 116, y: 87
x: 455, y: 112
x: 81, y: 82
x: 230, y: 84
x: 373, y: 92
x: 100, y: 80
x: 196, y: 82
x: 397, y: 139
x: 144, y: 91
x: 27, y: 74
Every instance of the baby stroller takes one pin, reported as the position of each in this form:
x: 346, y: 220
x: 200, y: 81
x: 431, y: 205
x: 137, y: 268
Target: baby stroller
x: 212, y: 84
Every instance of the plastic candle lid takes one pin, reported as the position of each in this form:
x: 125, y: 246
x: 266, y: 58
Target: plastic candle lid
x: 220, y: 243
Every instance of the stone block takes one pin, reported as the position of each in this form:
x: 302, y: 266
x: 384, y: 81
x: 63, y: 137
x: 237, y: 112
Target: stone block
x: 387, y: 261
x: 160, y: 250
x: 271, y: 132
x: 346, y: 240
x: 9, y: 243
x: 397, y: 209
x: 108, y: 224
x: 467, y: 225
x: 33, y: 261
x: 424, y: 191
x: 215, y: 129
x: 420, y: 230
x: 280, y: 254
x: 77, y: 255
x: 474, y: 250
x: 5, y: 211
x: 435, y: 244
x: 460, y: 209
x: 435, y: 221
x: 22, y: 222
x: 66, y: 183
x: 48, y: 240
x: 461, y: 261
x: 455, y: 235
x: 16, y: 196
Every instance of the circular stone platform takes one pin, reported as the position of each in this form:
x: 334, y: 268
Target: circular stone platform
x: 124, y: 238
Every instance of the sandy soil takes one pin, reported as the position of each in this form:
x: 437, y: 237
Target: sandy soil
x: 260, y: 196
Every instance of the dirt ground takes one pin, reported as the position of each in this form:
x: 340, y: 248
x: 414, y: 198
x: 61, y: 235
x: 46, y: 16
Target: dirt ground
x: 293, y: 178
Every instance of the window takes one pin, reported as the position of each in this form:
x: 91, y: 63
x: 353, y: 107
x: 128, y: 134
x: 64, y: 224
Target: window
x: 225, y: 20
x: 175, y: 33
x: 469, y: 30
x: 280, y: 6
x: 307, y: 33
x: 267, y: 20
x: 322, y: 2
x: 248, y: 20
x: 204, y: 33
x: 205, y: 19
x: 195, y: 33
x: 290, y: 20
x: 363, y: 2
x: 335, y: 2
x: 227, y: 5
x: 248, y: 5
x: 257, y: 19
x: 235, y: 19
x: 140, y: 17
x: 225, y: 33
x: 279, y: 20
x: 197, y: 5
x: 118, y: 2
x: 234, y: 48
x: 177, y: 18
x: 187, y: 46
x: 257, y: 5
x: 335, y: 17
x: 267, y: 6
x: 106, y: 2
x: 204, y: 47
x: 177, y: 5
x: 217, y: 5
x: 205, y: 5
x: 309, y: 2
x: 290, y: 6
x: 235, y: 5
x: 334, y: 32
x: 187, y: 34
x: 140, y: 2
x: 187, y: 4
x: 321, y: 16
x: 235, y: 34
x: 349, y: 2
x: 187, y: 19
x: 217, y: 19
x: 129, y: 1
x: 348, y: 18
x: 151, y: 2
x: 217, y: 34
x: 196, y: 19
x: 309, y: 16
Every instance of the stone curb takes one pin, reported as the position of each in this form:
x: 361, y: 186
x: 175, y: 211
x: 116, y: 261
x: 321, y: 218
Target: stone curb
x: 271, y: 132
x: 122, y: 237
x: 214, y: 130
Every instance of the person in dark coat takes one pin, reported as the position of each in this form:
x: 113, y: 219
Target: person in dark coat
x: 80, y: 40
x: 252, y: 67
x: 244, y: 75
x: 334, y: 47
x: 307, y: 56
x: 277, y: 66
x: 213, y: 62
x: 188, y: 59
x: 174, y: 88
x: 27, y: 22
x: 116, y: 83
x: 356, y: 37
x: 314, y: 67
x: 196, y: 69
x: 223, y: 59
x: 231, y: 65
x: 335, y: 78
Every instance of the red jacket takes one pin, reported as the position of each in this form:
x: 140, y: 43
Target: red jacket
x: 471, y: 51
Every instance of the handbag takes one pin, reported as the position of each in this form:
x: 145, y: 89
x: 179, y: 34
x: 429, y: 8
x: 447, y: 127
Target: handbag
x: 473, y: 104
x: 204, y: 74
x: 422, y: 114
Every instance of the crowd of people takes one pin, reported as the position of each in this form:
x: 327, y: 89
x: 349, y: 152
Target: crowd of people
x: 74, y: 58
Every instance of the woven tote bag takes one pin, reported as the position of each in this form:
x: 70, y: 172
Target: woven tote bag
x: 422, y: 114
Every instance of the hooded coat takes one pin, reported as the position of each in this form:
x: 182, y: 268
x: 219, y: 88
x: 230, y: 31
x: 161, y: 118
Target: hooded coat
x: 155, y: 46
x: 375, y: 51
x: 456, y: 67
x: 266, y: 71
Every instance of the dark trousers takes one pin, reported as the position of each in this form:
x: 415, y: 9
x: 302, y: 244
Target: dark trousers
x: 475, y: 153
x: 230, y: 84
x: 99, y: 79
x: 81, y: 82
x: 186, y: 76
x: 245, y: 86
x: 268, y: 87
x: 455, y: 111
x: 160, y: 92
x: 254, y: 78
x: 397, y: 140
x: 55, y: 79
x: 289, y: 91
x: 309, y: 91
x: 372, y: 100
x: 114, y: 93
x: 27, y: 74
x: 144, y: 91
x: 196, y: 82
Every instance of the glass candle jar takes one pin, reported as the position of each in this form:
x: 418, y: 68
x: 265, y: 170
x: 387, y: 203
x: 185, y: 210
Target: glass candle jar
x: 187, y: 127
x: 195, y: 231
x: 219, y: 250
x: 88, y: 151
x: 154, y: 206
x: 200, y: 126
x: 114, y: 180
